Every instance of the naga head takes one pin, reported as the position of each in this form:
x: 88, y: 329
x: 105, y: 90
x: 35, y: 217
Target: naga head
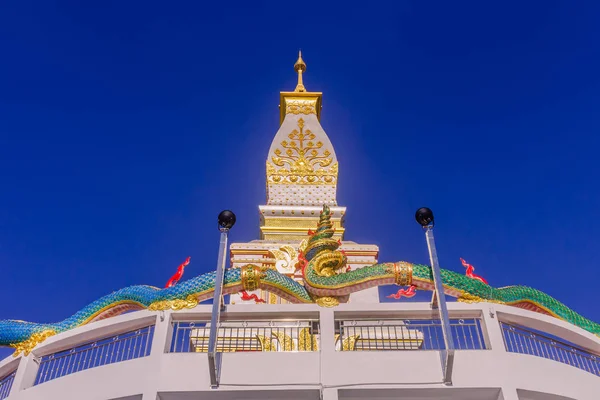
x: 322, y: 236
x: 322, y: 248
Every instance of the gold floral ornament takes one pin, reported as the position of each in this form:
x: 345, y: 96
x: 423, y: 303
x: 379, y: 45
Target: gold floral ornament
x: 349, y: 343
x: 466, y: 297
x: 285, y: 258
x: 286, y: 343
x: 27, y: 346
x: 327, y: 301
x: 307, y: 341
x: 301, y: 106
x: 190, y: 302
x: 266, y: 344
x: 302, y: 161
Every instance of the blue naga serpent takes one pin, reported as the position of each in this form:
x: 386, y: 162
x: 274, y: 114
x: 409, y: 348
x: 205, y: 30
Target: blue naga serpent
x: 325, y: 282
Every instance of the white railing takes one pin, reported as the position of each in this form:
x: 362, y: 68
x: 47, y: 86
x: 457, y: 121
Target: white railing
x: 304, y: 335
x: 300, y: 330
x: 110, y: 350
x: 6, y: 384
x: 246, y: 336
x: 521, y: 340
x: 405, y: 334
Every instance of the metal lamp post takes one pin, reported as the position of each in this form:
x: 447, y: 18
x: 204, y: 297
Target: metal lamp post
x: 424, y: 217
x: 226, y: 222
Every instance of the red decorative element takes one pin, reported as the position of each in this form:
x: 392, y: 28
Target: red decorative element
x: 348, y: 268
x: 175, y: 278
x: 470, y: 270
x: 410, y: 292
x: 311, y: 232
x: 247, y: 297
x: 302, y: 262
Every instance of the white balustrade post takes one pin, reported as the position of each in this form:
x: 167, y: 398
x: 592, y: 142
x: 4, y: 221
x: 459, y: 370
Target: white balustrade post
x: 329, y: 394
x: 492, y: 332
x: 26, y: 373
x: 162, y: 334
x: 160, y: 345
x: 327, y: 329
x: 327, y: 354
x: 509, y: 394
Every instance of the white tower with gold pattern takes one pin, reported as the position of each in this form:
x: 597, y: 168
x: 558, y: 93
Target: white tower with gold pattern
x: 302, y: 175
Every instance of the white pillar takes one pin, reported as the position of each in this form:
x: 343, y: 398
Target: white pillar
x: 509, y: 394
x: 160, y: 344
x: 26, y: 373
x: 162, y: 334
x: 327, y: 352
x: 329, y: 394
x: 327, y: 328
x: 492, y: 332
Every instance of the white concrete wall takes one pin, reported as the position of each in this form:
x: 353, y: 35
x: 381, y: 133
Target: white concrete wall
x: 478, y: 374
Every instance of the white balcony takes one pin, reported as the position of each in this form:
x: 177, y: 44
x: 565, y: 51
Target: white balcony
x: 353, y: 351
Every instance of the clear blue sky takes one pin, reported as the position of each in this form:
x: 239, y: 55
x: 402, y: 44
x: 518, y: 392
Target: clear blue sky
x: 125, y: 127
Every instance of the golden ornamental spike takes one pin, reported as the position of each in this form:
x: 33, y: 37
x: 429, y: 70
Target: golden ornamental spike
x: 300, y: 67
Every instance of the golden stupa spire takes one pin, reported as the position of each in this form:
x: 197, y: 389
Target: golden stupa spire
x: 299, y: 101
x: 300, y: 67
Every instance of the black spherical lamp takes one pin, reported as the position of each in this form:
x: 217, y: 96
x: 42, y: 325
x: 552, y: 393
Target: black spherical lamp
x: 424, y: 217
x: 226, y: 220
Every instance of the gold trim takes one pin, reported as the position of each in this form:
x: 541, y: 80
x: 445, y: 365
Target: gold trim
x: 286, y: 229
x: 471, y: 298
x: 296, y: 234
x: 263, y: 252
x: 327, y: 301
x: 28, y: 345
x: 196, y: 295
x: 190, y: 301
x: 298, y: 222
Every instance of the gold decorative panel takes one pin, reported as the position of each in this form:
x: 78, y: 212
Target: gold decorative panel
x: 300, y: 106
x: 299, y: 103
x: 302, y: 161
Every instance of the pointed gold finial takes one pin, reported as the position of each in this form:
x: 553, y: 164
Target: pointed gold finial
x: 299, y: 100
x: 300, y: 67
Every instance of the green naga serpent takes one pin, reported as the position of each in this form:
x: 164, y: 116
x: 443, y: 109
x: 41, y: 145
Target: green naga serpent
x: 326, y: 282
